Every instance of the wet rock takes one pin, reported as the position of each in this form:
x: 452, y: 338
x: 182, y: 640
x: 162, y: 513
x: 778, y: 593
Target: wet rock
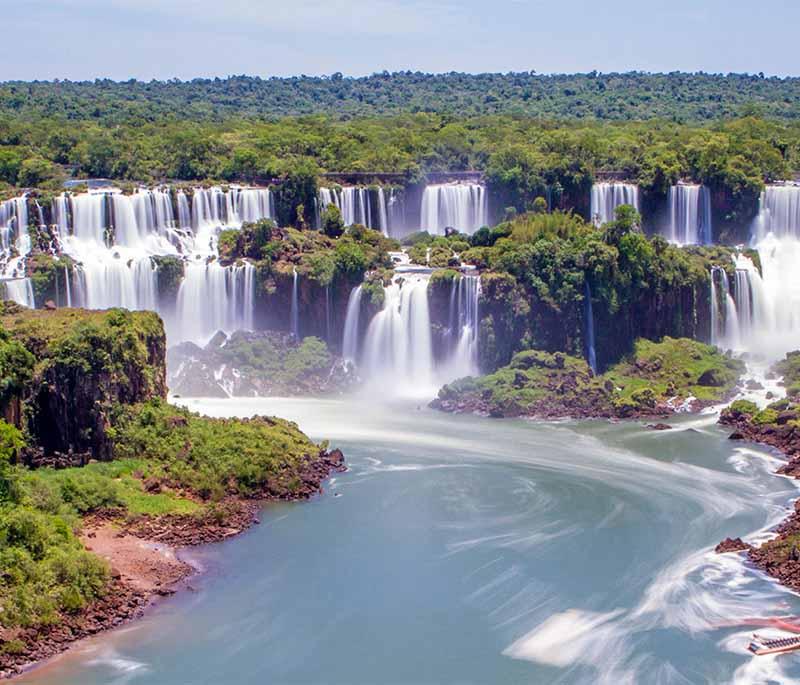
x: 659, y: 426
x: 731, y: 545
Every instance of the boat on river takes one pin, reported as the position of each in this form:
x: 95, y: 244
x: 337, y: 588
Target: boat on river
x: 779, y: 645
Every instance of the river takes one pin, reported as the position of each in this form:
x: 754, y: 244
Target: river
x: 467, y: 550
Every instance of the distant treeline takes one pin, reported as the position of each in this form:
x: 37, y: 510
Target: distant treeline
x: 675, y: 96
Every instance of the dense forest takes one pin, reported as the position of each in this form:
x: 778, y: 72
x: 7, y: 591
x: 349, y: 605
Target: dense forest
x: 675, y: 96
x: 522, y: 158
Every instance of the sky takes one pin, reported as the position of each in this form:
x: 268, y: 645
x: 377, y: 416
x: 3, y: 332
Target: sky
x: 146, y: 39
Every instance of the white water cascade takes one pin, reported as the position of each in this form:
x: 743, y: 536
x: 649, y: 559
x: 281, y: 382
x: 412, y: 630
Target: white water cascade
x: 355, y: 205
x: 462, y: 332
x: 462, y: 206
x: 606, y: 197
x: 764, y: 318
x: 724, y: 317
x: 779, y: 212
x: 689, y: 215
x: 396, y: 224
x: 15, y: 244
x: 113, y: 238
x: 212, y: 297
x: 398, y: 353
x: 351, y: 325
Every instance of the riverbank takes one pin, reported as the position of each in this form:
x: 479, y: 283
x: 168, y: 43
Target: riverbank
x: 143, y: 558
x: 777, y: 426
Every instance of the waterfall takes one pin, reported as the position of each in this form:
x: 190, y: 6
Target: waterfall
x: 779, y: 212
x: 689, y: 215
x: 89, y: 217
x: 398, y: 354
x: 353, y: 202
x: 15, y: 244
x: 254, y: 204
x: 725, y: 322
x: 462, y: 206
x: 112, y: 237
x: 184, y: 211
x: 294, y: 312
x: 395, y: 214
x: 67, y: 286
x: 766, y: 305
x: 351, y: 325
x: 383, y: 214
x: 116, y: 282
x: 20, y: 290
x: 463, y: 328
x: 214, y: 298
x: 606, y: 197
x: 591, y: 356
x: 714, y: 305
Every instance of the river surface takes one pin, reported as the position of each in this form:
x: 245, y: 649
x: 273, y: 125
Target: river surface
x: 466, y: 550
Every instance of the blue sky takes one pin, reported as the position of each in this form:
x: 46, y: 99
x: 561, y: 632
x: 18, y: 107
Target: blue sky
x: 121, y: 39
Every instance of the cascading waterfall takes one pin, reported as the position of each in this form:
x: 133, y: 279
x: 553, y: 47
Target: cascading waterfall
x: 383, y: 213
x: 253, y: 204
x: 462, y: 206
x: 395, y: 215
x: 724, y: 317
x: 763, y: 314
x: 351, y: 325
x: 101, y: 284
x: 214, y: 298
x: 15, y: 244
x: 463, y: 327
x: 294, y: 311
x: 398, y: 353
x: 591, y: 355
x: 606, y: 197
x: 779, y: 212
x: 354, y: 204
x: 113, y: 237
x: 689, y: 215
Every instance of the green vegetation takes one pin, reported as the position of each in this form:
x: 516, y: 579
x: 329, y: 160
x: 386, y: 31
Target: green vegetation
x: 789, y: 368
x: 284, y: 365
x: 213, y: 457
x: 48, y: 276
x: 538, y: 383
x: 313, y: 254
x: 524, y: 159
x: 169, y: 274
x: 68, y: 376
x: 536, y: 269
x: 633, y: 95
x: 44, y: 569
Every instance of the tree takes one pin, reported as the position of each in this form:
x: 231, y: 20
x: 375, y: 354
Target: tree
x: 628, y: 220
x: 332, y: 222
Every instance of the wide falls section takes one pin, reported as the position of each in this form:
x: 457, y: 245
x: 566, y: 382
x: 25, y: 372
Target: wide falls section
x: 462, y: 550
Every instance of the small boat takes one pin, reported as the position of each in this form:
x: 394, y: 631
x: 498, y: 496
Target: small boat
x: 778, y: 645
